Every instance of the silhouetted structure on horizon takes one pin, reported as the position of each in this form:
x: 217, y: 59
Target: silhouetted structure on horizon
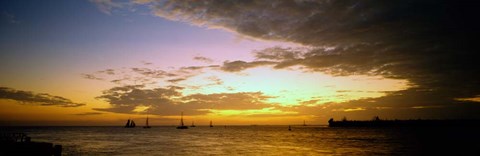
x: 377, y: 122
x: 146, y: 124
x: 182, y: 126
x: 130, y: 124
x: 21, y: 144
x: 211, y: 125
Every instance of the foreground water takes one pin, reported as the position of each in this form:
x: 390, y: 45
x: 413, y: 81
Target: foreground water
x: 257, y: 140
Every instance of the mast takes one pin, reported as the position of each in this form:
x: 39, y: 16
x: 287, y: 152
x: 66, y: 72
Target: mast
x: 182, y: 125
x: 181, y: 120
x: 147, y: 121
x: 128, y: 123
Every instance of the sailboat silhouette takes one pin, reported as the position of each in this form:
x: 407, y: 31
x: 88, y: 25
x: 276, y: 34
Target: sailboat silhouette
x: 130, y: 124
x: 193, y: 125
x: 146, y: 124
x: 182, y: 126
x: 211, y: 125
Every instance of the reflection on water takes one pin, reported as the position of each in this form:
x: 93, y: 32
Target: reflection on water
x: 258, y: 140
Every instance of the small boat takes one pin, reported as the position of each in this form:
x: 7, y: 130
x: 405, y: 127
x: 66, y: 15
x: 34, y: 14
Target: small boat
x: 146, y: 124
x: 182, y: 126
x: 289, y: 128
x: 211, y: 125
x: 193, y: 125
x: 304, y: 123
x: 130, y: 124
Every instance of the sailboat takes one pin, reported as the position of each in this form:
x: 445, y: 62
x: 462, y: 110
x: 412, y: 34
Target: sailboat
x: 146, y: 124
x: 304, y: 123
x: 130, y: 124
x: 193, y: 125
x: 211, y: 125
x: 181, y: 124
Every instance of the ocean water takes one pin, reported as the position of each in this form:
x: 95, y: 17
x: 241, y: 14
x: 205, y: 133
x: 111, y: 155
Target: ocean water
x: 258, y: 140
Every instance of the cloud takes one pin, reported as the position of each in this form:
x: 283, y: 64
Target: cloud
x: 107, y: 6
x: 193, y: 68
x: 236, y: 66
x: 151, y: 72
x: 91, y: 77
x: 176, y: 80
x: 147, y: 74
x: 237, y: 101
x: 41, y: 99
x: 203, y: 59
x: 264, y: 112
x: 89, y: 113
x: 170, y: 101
x: 349, y: 109
x: 137, y: 75
x: 142, y: 1
x: 108, y: 71
x: 215, y: 80
x: 146, y: 63
x: 430, y: 43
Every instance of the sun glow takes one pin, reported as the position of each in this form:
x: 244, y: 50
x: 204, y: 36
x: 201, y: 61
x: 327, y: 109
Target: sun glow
x: 291, y: 87
x: 264, y: 111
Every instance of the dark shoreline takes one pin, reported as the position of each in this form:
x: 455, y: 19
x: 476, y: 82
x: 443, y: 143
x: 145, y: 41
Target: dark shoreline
x: 376, y: 122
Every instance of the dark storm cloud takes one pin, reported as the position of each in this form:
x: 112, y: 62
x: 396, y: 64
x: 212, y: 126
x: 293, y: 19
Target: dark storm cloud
x: 41, y: 99
x: 170, y: 101
x: 430, y: 43
x: 323, y: 21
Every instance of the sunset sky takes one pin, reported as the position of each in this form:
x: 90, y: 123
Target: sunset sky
x: 101, y: 62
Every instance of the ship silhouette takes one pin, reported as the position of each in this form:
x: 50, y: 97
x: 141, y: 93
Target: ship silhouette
x: 146, y: 124
x: 130, y: 124
x: 182, y: 126
x: 377, y: 122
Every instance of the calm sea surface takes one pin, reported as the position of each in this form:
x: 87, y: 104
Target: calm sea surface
x: 257, y: 140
